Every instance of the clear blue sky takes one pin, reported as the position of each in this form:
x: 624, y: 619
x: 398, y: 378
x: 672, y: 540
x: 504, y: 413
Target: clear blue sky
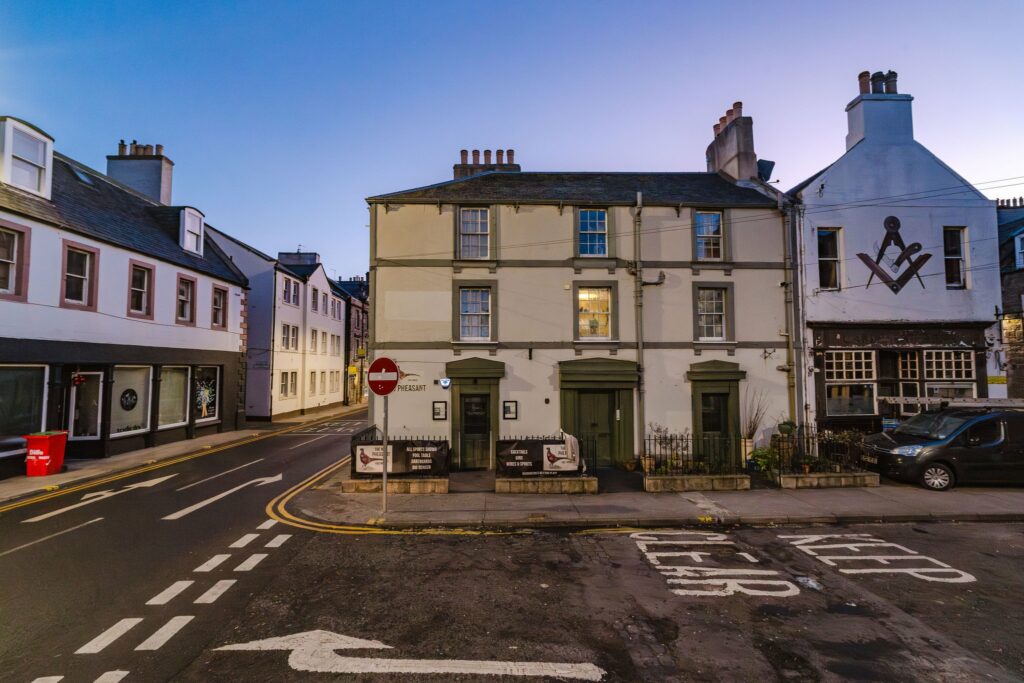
x: 281, y: 117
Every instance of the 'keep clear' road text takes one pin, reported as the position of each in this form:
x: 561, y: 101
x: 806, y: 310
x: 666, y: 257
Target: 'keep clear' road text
x: 706, y: 563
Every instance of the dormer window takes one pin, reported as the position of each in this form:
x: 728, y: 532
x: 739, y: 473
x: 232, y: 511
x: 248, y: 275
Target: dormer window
x: 192, y: 231
x: 28, y: 157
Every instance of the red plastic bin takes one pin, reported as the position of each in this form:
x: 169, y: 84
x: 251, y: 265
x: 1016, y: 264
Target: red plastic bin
x: 45, y: 453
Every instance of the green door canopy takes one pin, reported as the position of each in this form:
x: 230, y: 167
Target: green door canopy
x: 475, y: 368
x: 715, y: 371
x: 598, y: 373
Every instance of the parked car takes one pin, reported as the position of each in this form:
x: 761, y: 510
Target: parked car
x: 954, y: 446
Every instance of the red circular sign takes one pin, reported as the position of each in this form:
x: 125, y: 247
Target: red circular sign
x: 383, y: 376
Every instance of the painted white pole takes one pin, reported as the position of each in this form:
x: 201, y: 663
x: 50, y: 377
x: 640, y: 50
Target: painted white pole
x: 384, y: 488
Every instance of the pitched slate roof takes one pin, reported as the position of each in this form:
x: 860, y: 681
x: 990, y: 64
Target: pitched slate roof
x: 672, y: 189
x: 353, y: 289
x: 1010, y: 229
x: 300, y: 270
x: 110, y: 212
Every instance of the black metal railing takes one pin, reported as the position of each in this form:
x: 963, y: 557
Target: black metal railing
x: 685, y: 454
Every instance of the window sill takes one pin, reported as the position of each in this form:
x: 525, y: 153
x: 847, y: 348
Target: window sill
x: 610, y: 345
x: 580, y: 263
x: 176, y: 425
x: 458, y: 346
x: 700, y: 345
x: 459, y: 264
x: 207, y: 421
x: 725, y: 266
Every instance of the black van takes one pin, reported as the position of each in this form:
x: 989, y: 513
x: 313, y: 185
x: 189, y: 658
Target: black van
x: 953, y: 446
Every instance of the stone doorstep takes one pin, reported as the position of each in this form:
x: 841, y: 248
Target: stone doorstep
x: 823, y: 480
x: 550, y: 485
x: 439, y: 485
x: 696, y: 482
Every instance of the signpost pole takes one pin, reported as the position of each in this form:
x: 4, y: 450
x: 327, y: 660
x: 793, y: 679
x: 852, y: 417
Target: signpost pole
x: 384, y: 469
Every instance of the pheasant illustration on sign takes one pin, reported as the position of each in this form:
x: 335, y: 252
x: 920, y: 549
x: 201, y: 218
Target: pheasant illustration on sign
x: 907, y: 256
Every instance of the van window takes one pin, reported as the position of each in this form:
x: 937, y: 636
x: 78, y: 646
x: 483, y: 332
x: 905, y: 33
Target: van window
x: 987, y: 433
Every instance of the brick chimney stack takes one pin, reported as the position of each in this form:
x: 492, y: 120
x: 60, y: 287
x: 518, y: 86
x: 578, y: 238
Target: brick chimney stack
x: 879, y: 113
x: 732, y: 150
x: 499, y: 162
x: 144, y: 168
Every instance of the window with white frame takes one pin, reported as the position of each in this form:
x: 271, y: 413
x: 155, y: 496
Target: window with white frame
x: 129, y: 409
x: 711, y: 319
x: 828, y: 259
x: 323, y: 343
x: 474, y: 314
x: 219, y: 313
x: 295, y: 292
x: 139, y: 290
x: 286, y: 291
x: 324, y: 302
x: 295, y: 337
x: 22, y: 404
x: 313, y: 340
x: 708, y: 236
x: 284, y: 385
x: 474, y: 234
x: 77, y: 276
x: 948, y: 365
x: 312, y: 383
x: 185, y: 311
x: 286, y: 336
x: 594, y: 313
x: 315, y: 303
x: 30, y: 157
x: 293, y: 383
x: 9, y: 260
x: 593, y: 232
x: 192, y: 231
x: 850, y: 387
x: 172, y: 410
x: 323, y: 382
x: 909, y: 368
x: 953, y: 252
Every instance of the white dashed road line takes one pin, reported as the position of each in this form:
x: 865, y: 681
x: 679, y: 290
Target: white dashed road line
x: 164, y: 633
x: 111, y: 677
x: 251, y: 562
x: 215, y: 592
x: 304, y: 443
x: 277, y: 541
x: 47, y: 538
x: 267, y: 524
x: 234, y: 469
x: 170, y: 593
x: 244, y: 541
x: 211, y: 563
x: 49, y: 679
x: 107, y: 637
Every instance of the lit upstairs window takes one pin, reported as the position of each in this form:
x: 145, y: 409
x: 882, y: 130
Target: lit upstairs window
x: 191, y: 231
x: 27, y: 159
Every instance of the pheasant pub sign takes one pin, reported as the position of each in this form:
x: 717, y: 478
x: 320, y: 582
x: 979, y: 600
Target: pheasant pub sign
x: 896, y: 272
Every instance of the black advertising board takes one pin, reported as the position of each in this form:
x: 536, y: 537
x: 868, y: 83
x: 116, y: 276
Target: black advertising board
x: 536, y: 458
x: 405, y: 459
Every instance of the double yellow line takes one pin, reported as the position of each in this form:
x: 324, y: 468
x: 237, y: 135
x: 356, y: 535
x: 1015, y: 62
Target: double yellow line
x: 278, y: 509
x: 157, y: 465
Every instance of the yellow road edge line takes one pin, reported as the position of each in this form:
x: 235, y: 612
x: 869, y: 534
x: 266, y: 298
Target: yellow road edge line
x: 159, y: 465
x: 277, y: 509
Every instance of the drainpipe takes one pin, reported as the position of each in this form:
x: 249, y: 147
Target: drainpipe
x: 638, y: 296
x: 800, y: 329
x: 794, y: 360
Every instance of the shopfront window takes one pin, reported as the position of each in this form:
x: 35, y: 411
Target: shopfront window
x: 22, y: 404
x: 173, y: 408
x: 129, y: 408
x: 206, y: 393
x: 849, y: 383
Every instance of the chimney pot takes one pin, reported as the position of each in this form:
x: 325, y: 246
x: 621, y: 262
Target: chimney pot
x: 511, y: 156
x: 160, y: 150
x: 464, y: 156
x: 722, y: 121
x: 476, y: 156
x: 718, y: 129
x: 132, y: 150
x: 737, y: 108
x: 877, y: 83
x: 864, y: 82
x: 890, y: 83
x: 730, y: 116
x: 487, y: 156
x: 149, y: 150
x: 121, y: 148
x: 500, y: 156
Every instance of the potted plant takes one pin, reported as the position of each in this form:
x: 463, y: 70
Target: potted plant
x: 754, y: 409
x: 786, y: 427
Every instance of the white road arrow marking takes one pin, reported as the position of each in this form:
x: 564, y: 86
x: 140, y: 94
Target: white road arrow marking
x: 315, y: 651
x: 203, y: 503
x: 111, y: 677
x: 97, y: 496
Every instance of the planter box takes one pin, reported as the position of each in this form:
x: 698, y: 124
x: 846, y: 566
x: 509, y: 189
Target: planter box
x: 546, y: 485
x: 826, y: 480
x: 418, y: 485
x: 696, y: 482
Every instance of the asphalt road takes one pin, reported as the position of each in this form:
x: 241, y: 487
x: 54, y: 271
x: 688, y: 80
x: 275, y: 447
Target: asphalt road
x: 127, y: 593
x: 68, y: 576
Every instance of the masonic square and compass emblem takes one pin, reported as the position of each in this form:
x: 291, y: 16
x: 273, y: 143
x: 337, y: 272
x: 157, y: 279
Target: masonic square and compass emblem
x: 908, y: 257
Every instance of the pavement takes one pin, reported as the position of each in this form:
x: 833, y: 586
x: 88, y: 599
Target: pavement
x: 83, y: 470
x: 324, y: 503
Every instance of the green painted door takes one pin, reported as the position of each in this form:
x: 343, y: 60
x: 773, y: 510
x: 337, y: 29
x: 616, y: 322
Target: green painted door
x: 594, y: 424
x: 716, y: 428
x: 475, y: 435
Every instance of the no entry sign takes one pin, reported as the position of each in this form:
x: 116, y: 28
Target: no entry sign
x: 383, y: 376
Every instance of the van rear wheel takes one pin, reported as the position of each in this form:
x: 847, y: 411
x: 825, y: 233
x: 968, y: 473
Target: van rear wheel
x: 937, y: 477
